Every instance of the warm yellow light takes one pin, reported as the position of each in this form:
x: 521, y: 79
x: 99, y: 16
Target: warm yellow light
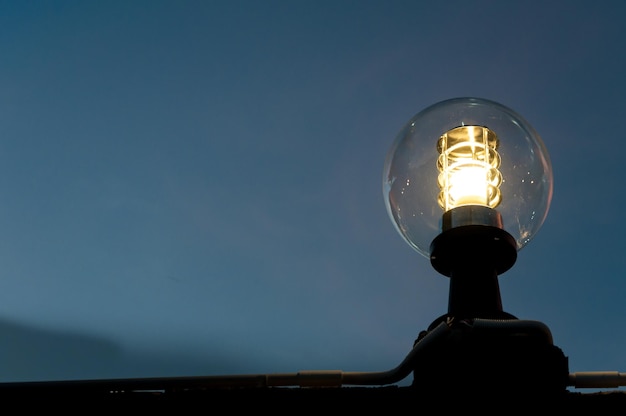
x: 468, y: 168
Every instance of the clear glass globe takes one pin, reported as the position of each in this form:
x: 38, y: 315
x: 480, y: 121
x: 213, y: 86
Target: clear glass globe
x: 410, y: 177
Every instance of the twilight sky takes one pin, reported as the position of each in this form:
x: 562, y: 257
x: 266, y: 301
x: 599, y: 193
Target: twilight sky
x: 195, y: 187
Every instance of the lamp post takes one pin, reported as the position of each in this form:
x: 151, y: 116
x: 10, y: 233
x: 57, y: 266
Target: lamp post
x: 468, y: 183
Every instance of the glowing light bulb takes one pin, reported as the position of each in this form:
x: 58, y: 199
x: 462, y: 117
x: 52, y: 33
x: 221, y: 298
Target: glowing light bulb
x: 468, y: 164
x: 473, y: 158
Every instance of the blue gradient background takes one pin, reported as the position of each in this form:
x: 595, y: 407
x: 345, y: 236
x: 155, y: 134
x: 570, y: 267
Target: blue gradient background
x: 194, y: 187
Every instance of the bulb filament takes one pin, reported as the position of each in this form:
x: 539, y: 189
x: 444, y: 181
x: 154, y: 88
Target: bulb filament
x: 468, y: 166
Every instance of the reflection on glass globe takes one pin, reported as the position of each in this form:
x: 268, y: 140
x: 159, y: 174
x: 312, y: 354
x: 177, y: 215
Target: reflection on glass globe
x: 421, y: 173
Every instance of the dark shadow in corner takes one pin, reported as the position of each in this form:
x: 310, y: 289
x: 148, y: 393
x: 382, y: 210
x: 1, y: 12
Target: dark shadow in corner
x: 30, y: 353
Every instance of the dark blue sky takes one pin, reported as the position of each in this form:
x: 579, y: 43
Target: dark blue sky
x: 194, y: 187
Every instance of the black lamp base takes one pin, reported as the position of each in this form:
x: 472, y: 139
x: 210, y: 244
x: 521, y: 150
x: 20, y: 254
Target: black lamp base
x: 473, y: 250
x: 483, y: 349
x: 487, y: 357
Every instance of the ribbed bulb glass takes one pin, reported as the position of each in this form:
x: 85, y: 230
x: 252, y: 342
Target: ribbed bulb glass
x: 468, y: 166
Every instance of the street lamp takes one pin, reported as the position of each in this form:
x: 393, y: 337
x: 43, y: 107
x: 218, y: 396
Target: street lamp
x: 468, y: 183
